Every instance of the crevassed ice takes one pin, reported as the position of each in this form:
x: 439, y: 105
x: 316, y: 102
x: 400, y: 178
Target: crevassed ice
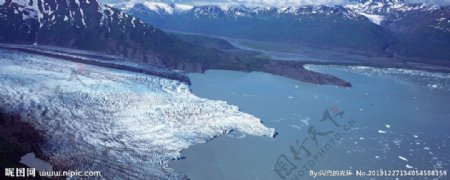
x: 125, y: 124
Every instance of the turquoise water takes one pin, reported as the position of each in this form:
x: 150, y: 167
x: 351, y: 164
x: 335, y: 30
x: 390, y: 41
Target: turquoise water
x: 392, y: 119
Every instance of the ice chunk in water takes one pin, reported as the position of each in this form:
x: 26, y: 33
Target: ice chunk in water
x: 382, y: 132
x: 402, y: 158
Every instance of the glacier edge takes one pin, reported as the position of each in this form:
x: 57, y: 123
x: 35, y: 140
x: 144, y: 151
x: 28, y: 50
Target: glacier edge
x: 125, y: 124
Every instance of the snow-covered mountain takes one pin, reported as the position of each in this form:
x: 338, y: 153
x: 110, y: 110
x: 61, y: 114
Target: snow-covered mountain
x: 374, y: 10
x: 390, y: 11
x: 163, y: 7
x: 127, y: 125
x: 390, y: 28
x: 89, y: 25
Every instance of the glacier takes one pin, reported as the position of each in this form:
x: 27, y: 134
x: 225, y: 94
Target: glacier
x: 125, y: 124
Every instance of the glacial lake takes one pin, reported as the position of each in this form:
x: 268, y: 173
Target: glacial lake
x: 390, y: 119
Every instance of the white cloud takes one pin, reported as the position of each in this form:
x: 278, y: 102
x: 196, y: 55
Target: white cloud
x: 445, y: 2
x: 289, y: 2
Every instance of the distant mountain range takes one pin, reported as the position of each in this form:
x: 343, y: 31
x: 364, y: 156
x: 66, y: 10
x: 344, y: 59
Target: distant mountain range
x: 387, y: 28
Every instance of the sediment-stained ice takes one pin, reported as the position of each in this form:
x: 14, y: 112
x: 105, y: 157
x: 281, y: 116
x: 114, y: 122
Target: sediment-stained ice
x: 124, y: 124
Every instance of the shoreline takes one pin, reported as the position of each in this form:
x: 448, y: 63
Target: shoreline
x: 293, y: 70
x: 410, y: 66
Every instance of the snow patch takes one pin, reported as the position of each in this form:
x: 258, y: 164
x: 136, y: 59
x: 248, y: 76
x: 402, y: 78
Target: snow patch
x: 156, y: 6
x: 183, y: 7
x: 376, y: 19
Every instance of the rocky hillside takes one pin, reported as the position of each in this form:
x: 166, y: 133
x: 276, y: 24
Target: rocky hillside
x: 89, y: 25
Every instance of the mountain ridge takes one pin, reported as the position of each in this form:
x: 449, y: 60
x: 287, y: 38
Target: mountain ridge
x: 415, y: 32
x: 92, y: 26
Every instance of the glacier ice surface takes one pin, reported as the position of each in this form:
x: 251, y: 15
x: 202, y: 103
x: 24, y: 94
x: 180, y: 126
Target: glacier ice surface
x: 124, y: 124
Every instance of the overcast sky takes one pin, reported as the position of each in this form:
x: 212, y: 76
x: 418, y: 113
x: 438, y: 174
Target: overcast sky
x: 274, y: 3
